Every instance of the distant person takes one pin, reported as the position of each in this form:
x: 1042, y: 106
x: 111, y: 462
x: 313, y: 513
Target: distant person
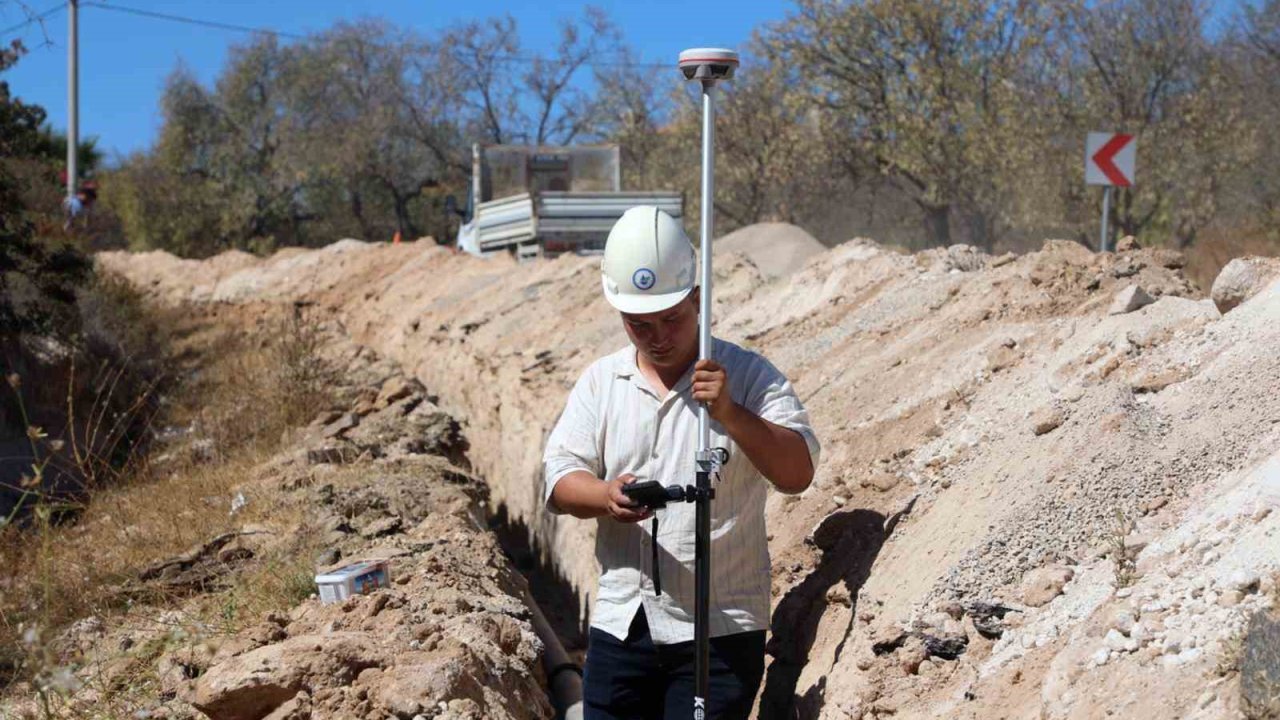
x: 634, y: 415
x: 71, y: 207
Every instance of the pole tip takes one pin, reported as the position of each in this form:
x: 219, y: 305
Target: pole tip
x: 708, y: 64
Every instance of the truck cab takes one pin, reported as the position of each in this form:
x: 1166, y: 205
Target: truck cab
x: 541, y: 201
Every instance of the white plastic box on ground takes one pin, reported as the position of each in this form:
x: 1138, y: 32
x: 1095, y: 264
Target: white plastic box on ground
x: 355, y: 579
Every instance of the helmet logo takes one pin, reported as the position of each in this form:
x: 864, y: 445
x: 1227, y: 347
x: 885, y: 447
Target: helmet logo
x: 643, y: 279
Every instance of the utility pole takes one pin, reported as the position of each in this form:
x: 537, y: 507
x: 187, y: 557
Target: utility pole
x: 73, y: 103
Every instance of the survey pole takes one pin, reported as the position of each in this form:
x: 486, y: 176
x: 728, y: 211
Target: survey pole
x: 706, y: 66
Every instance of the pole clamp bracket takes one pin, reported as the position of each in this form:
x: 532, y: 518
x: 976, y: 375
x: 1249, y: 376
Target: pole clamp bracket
x: 693, y: 493
x: 712, y: 459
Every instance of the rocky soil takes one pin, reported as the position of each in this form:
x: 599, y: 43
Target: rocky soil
x: 383, y: 475
x: 1048, y: 486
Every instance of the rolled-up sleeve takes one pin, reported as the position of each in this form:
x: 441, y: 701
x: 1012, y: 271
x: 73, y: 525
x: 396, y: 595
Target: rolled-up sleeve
x: 574, y: 442
x: 771, y: 397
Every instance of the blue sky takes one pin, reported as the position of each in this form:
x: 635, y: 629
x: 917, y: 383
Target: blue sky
x: 124, y: 58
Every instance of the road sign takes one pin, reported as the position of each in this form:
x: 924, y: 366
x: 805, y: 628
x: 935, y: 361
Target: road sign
x: 1109, y: 159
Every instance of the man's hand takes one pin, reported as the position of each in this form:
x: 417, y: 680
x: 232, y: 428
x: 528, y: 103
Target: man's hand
x: 711, y: 386
x: 780, y: 454
x: 620, y: 507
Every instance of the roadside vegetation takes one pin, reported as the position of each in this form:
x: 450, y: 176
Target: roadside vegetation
x: 916, y: 122
x: 84, y: 558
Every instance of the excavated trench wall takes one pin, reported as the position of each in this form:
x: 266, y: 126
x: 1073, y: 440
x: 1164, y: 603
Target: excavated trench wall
x: 988, y: 414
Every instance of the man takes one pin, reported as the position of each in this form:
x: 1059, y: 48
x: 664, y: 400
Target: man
x: 633, y: 415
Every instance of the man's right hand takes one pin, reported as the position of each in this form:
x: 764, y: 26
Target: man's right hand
x: 619, y: 506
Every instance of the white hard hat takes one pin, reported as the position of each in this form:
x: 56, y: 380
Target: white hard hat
x: 648, y: 263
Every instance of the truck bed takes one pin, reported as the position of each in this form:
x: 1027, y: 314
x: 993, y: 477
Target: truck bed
x: 532, y: 224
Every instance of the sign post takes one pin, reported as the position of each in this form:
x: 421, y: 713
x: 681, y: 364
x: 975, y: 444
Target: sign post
x: 1106, y: 218
x: 1109, y: 161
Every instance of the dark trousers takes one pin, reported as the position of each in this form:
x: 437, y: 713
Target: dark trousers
x: 637, y: 680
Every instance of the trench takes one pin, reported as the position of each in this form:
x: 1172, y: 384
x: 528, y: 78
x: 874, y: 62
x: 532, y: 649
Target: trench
x: 553, y: 594
x: 556, y: 608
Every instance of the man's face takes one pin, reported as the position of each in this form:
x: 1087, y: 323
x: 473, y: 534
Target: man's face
x: 669, y: 338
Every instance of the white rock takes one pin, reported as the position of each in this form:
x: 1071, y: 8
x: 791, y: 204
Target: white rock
x: 1207, y: 699
x: 1123, y: 621
x: 1245, y: 581
x: 1241, y: 279
x: 1042, y: 585
x: 1115, y: 640
x: 1100, y: 657
x: 1129, y: 299
x: 1190, y: 655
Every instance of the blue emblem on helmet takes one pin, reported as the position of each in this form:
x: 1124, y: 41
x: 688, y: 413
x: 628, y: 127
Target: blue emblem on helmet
x: 643, y: 278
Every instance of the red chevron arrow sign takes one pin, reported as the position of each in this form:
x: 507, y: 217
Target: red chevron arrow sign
x: 1109, y: 159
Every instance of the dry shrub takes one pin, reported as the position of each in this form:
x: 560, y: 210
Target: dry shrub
x: 302, y: 379
x: 231, y: 412
x: 258, y: 386
x: 1218, y: 245
x: 1124, y: 564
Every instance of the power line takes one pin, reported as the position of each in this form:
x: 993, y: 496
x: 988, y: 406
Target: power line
x: 526, y: 59
x: 35, y: 19
x: 192, y: 21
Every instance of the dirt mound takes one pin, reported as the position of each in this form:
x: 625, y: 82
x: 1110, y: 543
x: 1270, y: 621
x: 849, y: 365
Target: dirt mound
x: 457, y: 639
x: 383, y: 475
x: 1008, y: 466
x: 776, y: 249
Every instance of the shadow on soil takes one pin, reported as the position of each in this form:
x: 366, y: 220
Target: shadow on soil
x: 850, y: 542
x: 554, y: 595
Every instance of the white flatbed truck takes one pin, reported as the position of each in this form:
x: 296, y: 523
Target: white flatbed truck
x: 544, y: 201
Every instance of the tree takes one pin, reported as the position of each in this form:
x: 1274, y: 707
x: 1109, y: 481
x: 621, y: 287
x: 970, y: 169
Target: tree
x: 1251, y: 54
x: 37, y: 279
x: 379, y: 121
x: 163, y: 208
x: 231, y: 140
x: 775, y: 160
x: 922, y: 93
x: 634, y: 111
x: 1145, y: 67
x: 361, y: 130
x: 540, y: 105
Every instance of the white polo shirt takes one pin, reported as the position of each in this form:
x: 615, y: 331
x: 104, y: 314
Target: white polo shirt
x: 615, y: 423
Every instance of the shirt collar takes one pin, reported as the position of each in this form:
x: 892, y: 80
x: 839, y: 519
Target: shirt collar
x: 625, y: 368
